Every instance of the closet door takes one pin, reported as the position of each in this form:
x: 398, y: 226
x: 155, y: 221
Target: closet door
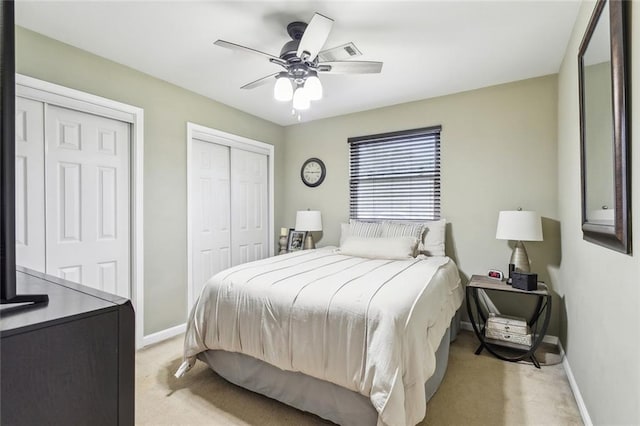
x: 30, y: 250
x: 249, y: 206
x: 210, y: 212
x: 87, y: 199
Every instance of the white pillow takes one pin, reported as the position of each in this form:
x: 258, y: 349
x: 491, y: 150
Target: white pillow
x: 359, y: 228
x: 395, y: 229
x: 431, y: 239
x: 396, y: 248
x: 432, y: 243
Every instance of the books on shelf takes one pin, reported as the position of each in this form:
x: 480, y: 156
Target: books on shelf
x: 504, y: 328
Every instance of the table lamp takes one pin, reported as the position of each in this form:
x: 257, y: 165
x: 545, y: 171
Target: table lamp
x: 519, y: 226
x: 308, y: 221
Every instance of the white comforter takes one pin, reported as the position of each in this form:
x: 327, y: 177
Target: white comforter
x: 370, y: 325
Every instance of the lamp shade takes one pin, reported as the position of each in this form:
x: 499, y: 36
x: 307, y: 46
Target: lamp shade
x: 519, y: 225
x: 313, y: 87
x: 308, y: 220
x: 283, y: 91
x: 301, y: 99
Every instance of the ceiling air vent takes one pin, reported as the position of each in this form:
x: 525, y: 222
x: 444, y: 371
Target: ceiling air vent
x: 340, y: 53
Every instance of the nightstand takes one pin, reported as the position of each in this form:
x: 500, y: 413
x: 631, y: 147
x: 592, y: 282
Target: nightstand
x: 538, y: 322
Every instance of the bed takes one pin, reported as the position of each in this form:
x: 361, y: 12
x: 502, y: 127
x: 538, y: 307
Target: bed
x: 355, y: 340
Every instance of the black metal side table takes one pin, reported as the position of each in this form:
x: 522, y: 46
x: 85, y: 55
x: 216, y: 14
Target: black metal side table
x: 479, y: 318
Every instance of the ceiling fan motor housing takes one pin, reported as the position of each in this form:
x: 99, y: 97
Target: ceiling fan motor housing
x: 296, y: 29
x: 290, y: 49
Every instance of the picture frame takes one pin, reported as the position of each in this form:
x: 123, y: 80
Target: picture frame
x: 295, y: 240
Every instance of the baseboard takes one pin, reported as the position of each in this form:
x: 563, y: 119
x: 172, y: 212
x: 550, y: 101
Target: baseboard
x: 163, y: 335
x: 582, y: 408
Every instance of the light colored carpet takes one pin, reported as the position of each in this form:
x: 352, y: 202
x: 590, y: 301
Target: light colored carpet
x: 477, y: 390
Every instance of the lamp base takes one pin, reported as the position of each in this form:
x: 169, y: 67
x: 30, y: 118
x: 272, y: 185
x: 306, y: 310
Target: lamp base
x: 520, y: 258
x: 308, y: 242
x: 283, y: 244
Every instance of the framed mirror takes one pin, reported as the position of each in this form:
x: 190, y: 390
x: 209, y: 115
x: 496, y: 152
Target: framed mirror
x: 604, y: 128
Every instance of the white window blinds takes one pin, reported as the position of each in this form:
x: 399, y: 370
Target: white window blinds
x: 395, y: 175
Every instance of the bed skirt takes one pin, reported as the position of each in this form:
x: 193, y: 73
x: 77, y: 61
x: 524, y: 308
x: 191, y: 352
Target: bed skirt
x: 306, y: 393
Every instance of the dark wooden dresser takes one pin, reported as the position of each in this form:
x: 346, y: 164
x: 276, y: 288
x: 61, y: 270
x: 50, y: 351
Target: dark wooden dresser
x: 70, y: 362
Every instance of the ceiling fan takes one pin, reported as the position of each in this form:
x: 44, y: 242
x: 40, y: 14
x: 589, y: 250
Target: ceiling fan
x: 303, y: 60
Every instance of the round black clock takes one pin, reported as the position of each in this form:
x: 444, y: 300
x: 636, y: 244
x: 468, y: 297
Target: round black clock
x: 313, y: 172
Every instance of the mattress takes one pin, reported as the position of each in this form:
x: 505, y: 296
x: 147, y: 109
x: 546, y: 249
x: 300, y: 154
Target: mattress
x: 371, y: 326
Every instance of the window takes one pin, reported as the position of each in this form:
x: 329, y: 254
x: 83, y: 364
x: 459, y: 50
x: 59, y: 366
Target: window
x: 395, y: 175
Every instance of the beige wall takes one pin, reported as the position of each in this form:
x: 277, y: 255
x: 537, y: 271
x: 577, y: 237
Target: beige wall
x: 167, y: 109
x: 600, y: 288
x: 498, y: 153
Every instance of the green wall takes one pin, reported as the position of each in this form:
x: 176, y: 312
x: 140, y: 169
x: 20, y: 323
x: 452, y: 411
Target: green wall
x: 498, y: 153
x: 167, y: 108
x: 600, y: 288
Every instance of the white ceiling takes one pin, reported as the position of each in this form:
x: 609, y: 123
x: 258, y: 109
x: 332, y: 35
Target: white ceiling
x: 428, y: 48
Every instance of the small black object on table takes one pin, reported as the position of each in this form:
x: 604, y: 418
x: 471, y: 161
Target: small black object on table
x: 479, y: 319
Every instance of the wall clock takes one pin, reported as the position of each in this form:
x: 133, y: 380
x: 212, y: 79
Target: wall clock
x: 313, y: 172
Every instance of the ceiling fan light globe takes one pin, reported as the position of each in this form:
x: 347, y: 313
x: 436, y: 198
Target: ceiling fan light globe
x: 283, y: 90
x: 313, y: 87
x: 301, y: 99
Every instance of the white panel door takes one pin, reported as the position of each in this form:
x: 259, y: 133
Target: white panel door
x: 30, y: 245
x: 250, y: 207
x: 210, y: 211
x: 87, y: 199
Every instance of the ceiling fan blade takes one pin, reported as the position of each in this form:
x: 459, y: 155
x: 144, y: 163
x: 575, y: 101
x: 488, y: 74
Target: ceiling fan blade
x: 350, y: 67
x: 339, y: 53
x: 233, y: 46
x: 259, y: 82
x: 315, y: 36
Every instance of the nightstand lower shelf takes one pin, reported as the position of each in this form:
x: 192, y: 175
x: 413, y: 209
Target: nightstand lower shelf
x: 511, y: 345
x: 478, y: 318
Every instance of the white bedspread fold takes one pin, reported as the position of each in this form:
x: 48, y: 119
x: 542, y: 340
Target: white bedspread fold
x: 370, y: 325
